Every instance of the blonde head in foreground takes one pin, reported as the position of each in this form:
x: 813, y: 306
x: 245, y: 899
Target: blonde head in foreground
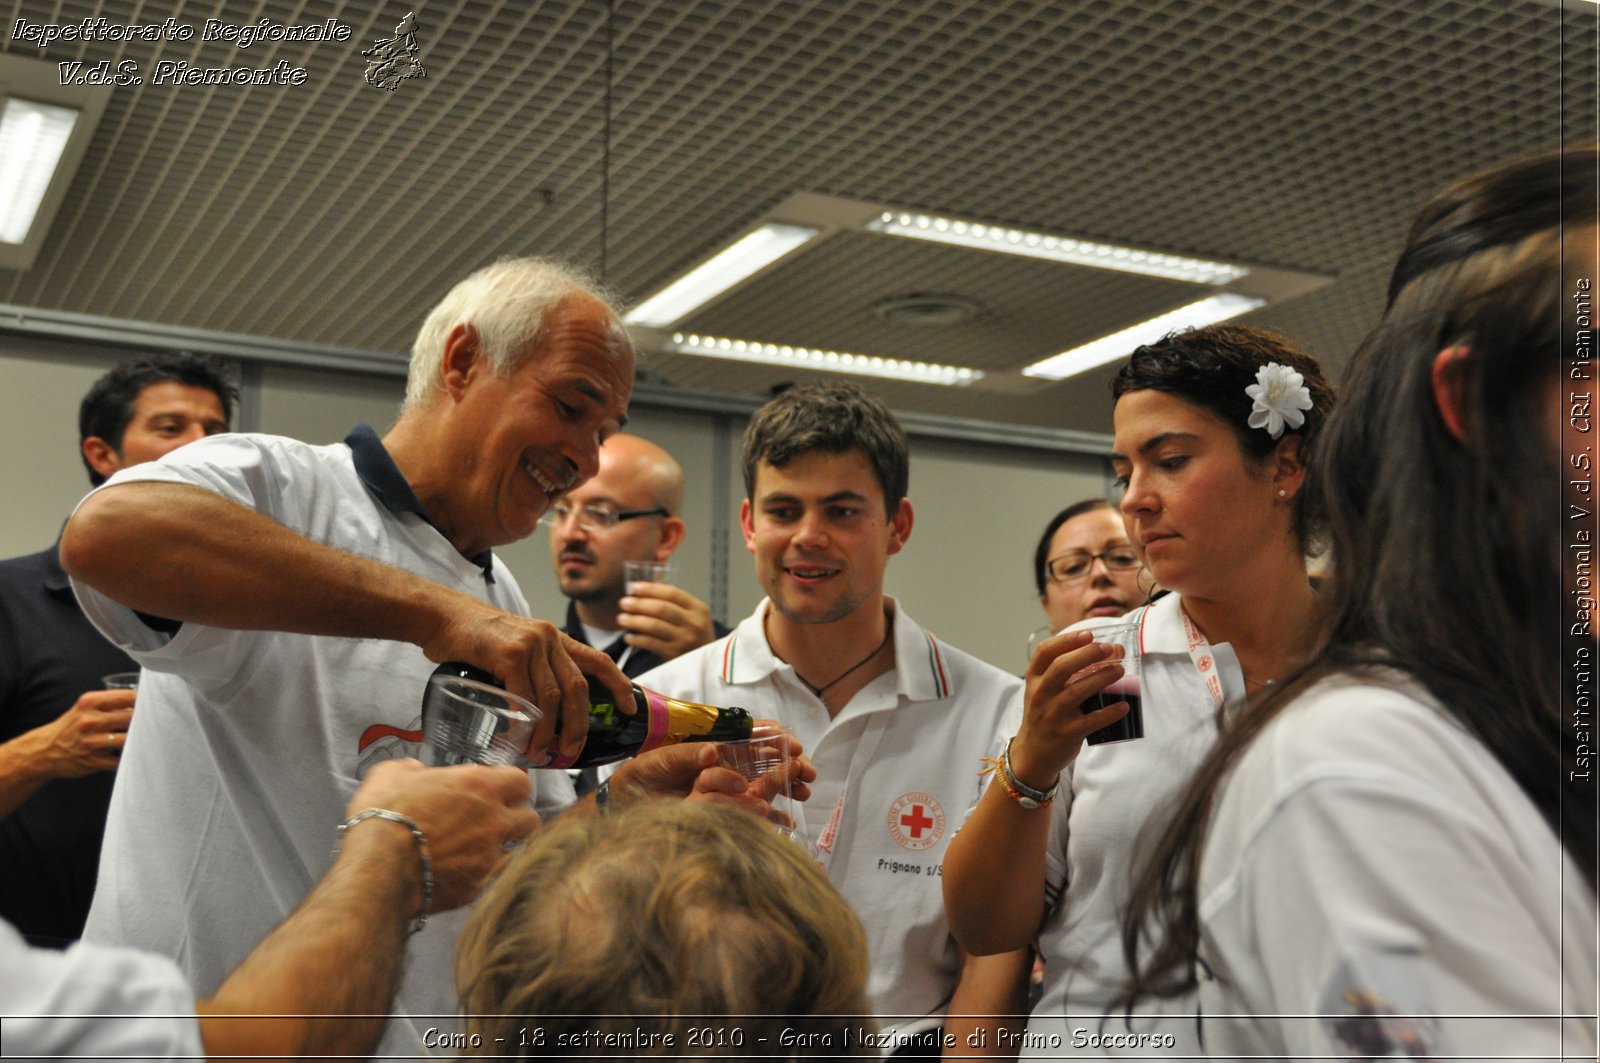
x: 671, y: 918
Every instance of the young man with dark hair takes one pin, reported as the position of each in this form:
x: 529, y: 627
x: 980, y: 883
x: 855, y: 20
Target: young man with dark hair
x: 896, y: 721
x: 60, y: 734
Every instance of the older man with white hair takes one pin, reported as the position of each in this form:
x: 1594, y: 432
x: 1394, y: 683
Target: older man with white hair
x: 288, y: 603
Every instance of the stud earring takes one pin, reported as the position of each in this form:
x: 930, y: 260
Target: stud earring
x: 1282, y: 493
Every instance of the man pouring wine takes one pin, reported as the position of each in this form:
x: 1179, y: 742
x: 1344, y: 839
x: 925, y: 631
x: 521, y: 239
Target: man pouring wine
x: 289, y: 601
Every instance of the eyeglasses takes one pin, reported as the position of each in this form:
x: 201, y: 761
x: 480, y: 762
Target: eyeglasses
x: 1070, y: 568
x: 597, y: 515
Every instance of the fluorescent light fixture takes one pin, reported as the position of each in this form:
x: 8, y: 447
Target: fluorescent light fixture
x: 831, y: 361
x: 1121, y: 344
x: 748, y: 255
x: 1055, y: 248
x: 33, y: 137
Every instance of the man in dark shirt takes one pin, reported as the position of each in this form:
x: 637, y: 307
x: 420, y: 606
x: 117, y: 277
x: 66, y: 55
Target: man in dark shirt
x: 628, y: 512
x: 60, y: 733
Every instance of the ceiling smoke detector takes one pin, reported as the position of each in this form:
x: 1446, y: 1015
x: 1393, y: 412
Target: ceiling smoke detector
x: 926, y: 309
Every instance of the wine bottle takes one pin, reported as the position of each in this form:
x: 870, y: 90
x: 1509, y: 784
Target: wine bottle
x: 657, y: 720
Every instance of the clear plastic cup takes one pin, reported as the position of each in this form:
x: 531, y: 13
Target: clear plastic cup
x: 468, y: 722
x: 764, y: 760
x: 646, y: 572
x: 1128, y: 688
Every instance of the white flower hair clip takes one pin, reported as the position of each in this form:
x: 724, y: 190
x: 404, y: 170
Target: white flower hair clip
x: 1280, y: 395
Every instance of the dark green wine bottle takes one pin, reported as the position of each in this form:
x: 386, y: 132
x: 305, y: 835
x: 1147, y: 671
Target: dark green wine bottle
x: 657, y: 720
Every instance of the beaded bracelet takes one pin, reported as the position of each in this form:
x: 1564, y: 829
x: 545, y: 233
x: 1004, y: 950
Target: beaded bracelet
x: 423, y: 859
x: 1015, y: 788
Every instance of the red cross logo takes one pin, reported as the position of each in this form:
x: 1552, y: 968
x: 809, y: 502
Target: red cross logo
x: 916, y: 821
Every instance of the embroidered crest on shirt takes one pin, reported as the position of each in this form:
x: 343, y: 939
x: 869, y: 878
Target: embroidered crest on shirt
x: 916, y: 821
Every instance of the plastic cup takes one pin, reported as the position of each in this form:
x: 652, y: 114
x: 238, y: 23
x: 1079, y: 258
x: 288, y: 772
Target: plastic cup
x: 468, y: 722
x: 120, y: 681
x: 1128, y: 688
x: 763, y: 759
x: 1036, y: 636
x: 647, y: 572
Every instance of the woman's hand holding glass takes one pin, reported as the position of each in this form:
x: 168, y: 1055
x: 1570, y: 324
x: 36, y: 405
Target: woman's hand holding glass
x: 1065, y: 672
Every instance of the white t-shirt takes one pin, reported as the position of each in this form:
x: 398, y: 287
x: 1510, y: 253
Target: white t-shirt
x: 896, y: 768
x: 93, y: 1001
x: 246, y: 746
x: 1114, y: 798
x: 1369, y: 857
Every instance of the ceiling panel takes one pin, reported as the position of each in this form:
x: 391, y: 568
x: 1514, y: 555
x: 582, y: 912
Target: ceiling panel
x: 1292, y: 133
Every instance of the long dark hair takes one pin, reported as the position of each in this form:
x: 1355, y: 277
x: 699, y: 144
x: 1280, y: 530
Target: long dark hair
x: 1445, y: 556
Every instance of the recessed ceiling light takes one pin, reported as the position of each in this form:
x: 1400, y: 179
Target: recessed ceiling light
x: 748, y: 255
x: 33, y: 137
x: 830, y: 361
x: 1055, y: 248
x: 45, y: 128
x: 1120, y: 344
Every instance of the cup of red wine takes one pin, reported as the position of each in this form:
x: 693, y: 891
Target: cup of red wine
x: 1127, y: 688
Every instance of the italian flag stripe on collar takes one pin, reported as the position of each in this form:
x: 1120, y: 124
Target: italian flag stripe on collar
x: 727, y: 658
x: 936, y: 665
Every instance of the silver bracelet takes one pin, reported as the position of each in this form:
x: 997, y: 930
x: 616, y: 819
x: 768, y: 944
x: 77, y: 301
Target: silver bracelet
x: 1026, y: 795
x: 423, y: 858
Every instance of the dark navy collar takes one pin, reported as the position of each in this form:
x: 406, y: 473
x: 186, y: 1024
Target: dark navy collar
x: 380, y: 475
x: 55, y: 577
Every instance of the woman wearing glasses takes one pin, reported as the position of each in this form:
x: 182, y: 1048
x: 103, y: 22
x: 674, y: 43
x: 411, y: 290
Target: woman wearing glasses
x: 1085, y: 566
x: 1214, y: 428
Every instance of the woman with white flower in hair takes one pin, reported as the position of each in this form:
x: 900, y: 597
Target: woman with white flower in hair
x: 1214, y: 428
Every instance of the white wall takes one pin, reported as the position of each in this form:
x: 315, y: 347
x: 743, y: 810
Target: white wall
x: 41, y: 475
x: 965, y: 573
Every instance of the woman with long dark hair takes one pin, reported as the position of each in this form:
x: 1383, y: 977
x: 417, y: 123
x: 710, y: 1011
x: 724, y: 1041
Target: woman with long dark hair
x: 1395, y: 853
x: 1213, y: 431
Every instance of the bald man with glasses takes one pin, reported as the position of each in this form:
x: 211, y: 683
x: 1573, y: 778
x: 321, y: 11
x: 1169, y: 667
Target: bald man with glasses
x: 628, y: 512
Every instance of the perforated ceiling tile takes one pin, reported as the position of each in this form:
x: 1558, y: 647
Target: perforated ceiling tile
x: 1025, y: 309
x: 1293, y: 133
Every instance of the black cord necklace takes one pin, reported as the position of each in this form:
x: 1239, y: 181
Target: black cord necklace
x: 819, y: 691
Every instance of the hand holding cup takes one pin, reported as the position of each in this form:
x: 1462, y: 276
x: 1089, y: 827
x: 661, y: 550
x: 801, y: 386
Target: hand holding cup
x: 774, y: 771
x: 1066, y: 672
x: 468, y: 721
x: 659, y: 617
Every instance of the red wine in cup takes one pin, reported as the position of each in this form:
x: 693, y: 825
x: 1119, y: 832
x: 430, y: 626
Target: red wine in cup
x: 1131, y: 725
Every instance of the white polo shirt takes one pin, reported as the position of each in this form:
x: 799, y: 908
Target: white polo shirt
x: 1110, y: 797
x: 897, y: 767
x: 246, y: 746
x: 1372, y: 859
x: 93, y: 1001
